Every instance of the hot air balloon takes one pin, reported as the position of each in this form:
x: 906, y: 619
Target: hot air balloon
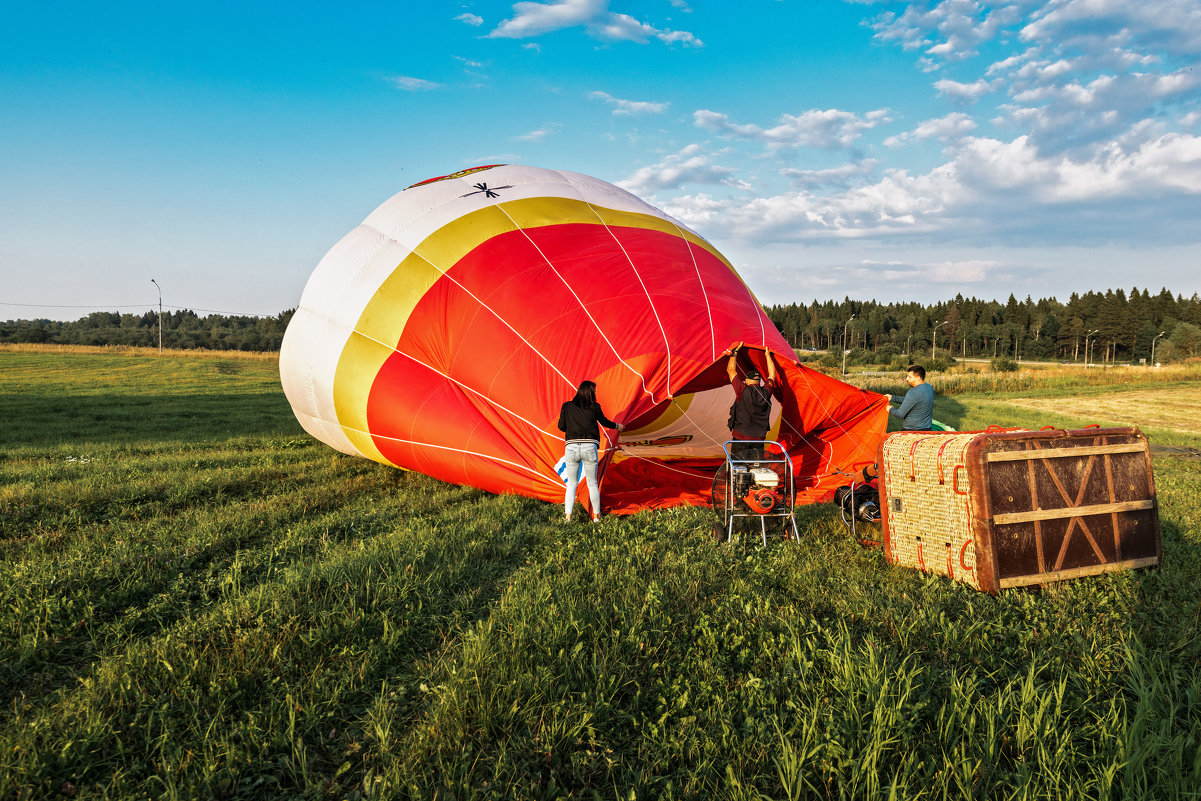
x: 443, y: 333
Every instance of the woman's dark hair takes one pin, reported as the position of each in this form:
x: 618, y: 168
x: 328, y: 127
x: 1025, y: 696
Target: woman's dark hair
x: 585, y: 396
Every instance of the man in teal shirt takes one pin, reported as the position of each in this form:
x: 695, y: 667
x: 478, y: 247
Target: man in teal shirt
x: 917, y: 409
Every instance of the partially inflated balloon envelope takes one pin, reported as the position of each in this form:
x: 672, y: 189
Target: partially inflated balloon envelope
x: 443, y: 334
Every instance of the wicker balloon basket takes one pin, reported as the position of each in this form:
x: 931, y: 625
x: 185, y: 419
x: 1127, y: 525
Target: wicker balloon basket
x: 1008, y: 508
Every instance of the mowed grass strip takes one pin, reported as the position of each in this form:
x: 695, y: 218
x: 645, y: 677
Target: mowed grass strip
x: 1177, y: 409
x: 204, y: 610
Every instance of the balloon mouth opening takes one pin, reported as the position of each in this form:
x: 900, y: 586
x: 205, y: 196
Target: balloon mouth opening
x: 693, y: 425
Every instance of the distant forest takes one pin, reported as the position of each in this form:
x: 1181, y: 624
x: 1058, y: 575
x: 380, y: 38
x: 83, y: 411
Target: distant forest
x: 181, y: 329
x: 1104, y: 327
x: 1112, y: 326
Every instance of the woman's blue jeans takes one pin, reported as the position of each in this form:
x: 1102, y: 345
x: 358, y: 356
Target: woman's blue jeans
x: 581, y: 455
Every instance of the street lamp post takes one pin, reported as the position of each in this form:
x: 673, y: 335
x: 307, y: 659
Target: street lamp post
x: 160, y: 316
x: 907, y: 341
x: 1157, y: 336
x: 844, y: 345
x: 934, y: 343
x: 1087, y: 363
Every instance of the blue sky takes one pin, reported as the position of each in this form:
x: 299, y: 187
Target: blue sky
x: 880, y: 150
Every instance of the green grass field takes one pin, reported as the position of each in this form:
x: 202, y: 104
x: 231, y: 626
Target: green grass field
x: 198, y: 601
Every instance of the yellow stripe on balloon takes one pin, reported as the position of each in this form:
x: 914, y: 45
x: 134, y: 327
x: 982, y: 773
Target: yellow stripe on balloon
x: 361, y: 360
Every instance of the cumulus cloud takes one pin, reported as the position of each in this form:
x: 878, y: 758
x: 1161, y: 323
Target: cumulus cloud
x: 842, y: 176
x: 947, y: 31
x: 534, y: 19
x: 688, y: 167
x: 897, y: 204
x: 1172, y: 25
x: 965, y: 271
x: 410, y: 84
x: 967, y: 92
x: 945, y: 129
x: 629, y: 107
x: 1084, y: 73
x: 990, y: 188
x: 539, y: 134
x: 471, y: 19
x: 829, y: 129
x: 1075, y: 114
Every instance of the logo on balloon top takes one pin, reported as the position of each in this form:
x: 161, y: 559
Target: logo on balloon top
x: 458, y: 174
x: 487, y: 191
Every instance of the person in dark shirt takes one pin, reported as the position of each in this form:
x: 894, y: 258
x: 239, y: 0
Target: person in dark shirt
x: 752, y: 405
x: 578, y: 420
x: 917, y: 409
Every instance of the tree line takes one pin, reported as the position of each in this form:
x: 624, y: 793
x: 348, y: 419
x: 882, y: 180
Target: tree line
x: 182, y: 329
x: 1110, y: 326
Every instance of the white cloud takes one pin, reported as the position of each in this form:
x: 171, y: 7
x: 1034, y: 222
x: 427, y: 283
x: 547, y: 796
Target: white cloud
x: 1081, y: 74
x: 994, y: 189
x: 842, y: 176
x: 966, y: 271
x: 950, y: 30
x: 534, y: 19
x: 629, y: 107
x: 968, y: 92
x: 827, y: 129
x: 1079, y: 115
x: 410, y: 84
x: 951, y: 127
x: 688, y: 167
x: 471, y: 19
x: 539, y: 134
x: 1173, y: 25
x: 897, y: 204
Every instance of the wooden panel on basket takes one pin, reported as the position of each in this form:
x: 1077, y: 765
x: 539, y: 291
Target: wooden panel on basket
x: 1021, y: 507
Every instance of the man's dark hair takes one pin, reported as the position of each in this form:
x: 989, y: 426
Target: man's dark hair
x: 917, y: 370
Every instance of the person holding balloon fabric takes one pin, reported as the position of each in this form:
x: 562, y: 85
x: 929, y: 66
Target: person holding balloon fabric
x: 752, y: 406
x: 579, y: 419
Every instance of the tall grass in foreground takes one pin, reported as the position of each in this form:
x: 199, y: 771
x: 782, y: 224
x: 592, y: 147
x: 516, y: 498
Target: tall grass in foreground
x: 197, y: 601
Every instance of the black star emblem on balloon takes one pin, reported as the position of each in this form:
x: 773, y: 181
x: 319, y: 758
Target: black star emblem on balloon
x: 488, y: 191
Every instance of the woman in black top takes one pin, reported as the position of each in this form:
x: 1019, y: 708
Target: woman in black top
x: 578, y: 421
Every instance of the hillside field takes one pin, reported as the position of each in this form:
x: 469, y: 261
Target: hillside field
x: 199, y: 601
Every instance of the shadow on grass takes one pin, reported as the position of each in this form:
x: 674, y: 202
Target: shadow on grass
x: 407, y: 580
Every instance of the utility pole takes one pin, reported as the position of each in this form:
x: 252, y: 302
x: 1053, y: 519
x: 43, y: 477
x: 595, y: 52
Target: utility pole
x: 844, y: 346
x: 934, y: 343
x: 160, y: 316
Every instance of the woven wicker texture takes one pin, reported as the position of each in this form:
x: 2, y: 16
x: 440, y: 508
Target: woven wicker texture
x: 929, y: 513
